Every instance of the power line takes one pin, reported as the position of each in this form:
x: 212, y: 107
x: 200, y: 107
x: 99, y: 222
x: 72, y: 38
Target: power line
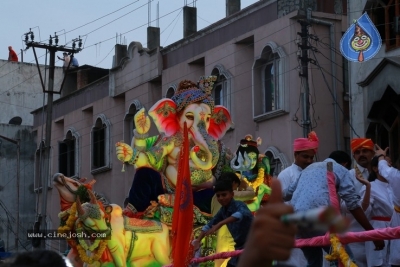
x: 330, y: 91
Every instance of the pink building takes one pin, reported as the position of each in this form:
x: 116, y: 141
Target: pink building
x: 256, y: 54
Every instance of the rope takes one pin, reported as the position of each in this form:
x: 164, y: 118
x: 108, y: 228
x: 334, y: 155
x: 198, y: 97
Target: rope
x: 388, y: 233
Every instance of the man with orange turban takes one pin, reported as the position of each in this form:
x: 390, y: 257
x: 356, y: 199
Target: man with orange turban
x: 363, y: 150
x: 304, y: 152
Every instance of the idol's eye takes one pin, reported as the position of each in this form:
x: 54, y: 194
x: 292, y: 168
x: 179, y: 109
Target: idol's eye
x: 356, y: 39
x: 189, y: 116
x: 208, y: 118
x: 363, y: 37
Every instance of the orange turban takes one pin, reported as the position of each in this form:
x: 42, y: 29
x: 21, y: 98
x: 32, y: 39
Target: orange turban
x: 302, y: 144
x: 358, y: 143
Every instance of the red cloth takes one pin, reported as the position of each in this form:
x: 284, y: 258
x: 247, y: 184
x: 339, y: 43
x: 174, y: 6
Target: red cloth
x: 182, y: 217
x: 302, y: 144
x: 358, y: 143
x: 12, y: 56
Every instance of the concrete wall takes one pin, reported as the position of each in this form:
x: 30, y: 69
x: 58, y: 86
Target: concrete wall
x: 21, y: 90
x: 8, y: 184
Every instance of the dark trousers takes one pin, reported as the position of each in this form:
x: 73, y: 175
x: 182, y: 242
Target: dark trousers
x: 314, y: 255
x: 147, y: 185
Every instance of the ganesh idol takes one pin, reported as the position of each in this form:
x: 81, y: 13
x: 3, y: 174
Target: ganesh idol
x: 156, y: 158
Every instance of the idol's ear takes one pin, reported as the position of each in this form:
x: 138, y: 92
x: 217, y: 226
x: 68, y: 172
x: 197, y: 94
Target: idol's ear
x: 220, y: 122
x: 164, y: 115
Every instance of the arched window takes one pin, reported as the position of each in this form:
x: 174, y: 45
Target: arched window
x: 222, y: 92
x: 268, y: 83
x: 68, y: 154
x: 15, y: 121
x: 277, y: 160
x: 129, y: 124
x: 100, y: 144
x: 384, y: 126
x: 171, y: 91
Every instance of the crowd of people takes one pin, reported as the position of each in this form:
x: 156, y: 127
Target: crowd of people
x: 368, y: 195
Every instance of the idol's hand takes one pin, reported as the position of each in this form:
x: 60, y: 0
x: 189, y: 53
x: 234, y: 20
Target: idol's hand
x: 142, y: 122
x: 124, y: 151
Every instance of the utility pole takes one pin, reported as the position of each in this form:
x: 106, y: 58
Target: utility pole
x: 303, y: 48
x: 52, y: 50
x: 16, y: 142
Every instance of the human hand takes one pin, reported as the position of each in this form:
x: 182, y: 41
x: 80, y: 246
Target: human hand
x: 379, y: 151
x: 379, y: 244
x: 269, y: 238
x: 124, y: 151
x: 213, y: 229
x: 196, y: 244
x: 363, y: 181
x: 142, y: 122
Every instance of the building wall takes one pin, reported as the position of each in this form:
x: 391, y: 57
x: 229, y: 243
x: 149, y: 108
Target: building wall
x: 8, y: 184
x: 362, y: 98
x: 21, y: 90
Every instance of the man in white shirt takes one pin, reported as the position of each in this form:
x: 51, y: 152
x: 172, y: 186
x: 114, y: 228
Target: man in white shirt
x: 363, y: 150
x: 392, y: 175
x: 304, y: 153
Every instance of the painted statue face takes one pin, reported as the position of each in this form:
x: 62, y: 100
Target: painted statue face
x: 253, y: 158
x: 193, y: 113
x: 360, y: 42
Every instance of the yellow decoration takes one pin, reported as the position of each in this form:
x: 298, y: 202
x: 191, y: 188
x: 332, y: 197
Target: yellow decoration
x: 70, y: 221
x: 97, y: 255
x: 339, y: 253
x: 82, y: 252
x: 397, y: 209
x: 258, y: 181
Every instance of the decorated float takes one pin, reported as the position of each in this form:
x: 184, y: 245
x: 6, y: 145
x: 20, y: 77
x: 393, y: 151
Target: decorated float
x: 142, y: 233
x: 171, y: 197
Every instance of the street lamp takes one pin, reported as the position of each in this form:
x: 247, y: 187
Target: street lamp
x: 16, y: 142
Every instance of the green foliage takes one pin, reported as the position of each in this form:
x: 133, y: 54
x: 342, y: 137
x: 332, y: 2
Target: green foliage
x: 227, y: 168
x: 83, y: 194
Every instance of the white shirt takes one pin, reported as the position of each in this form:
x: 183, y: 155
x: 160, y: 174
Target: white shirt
x: 365, y: 174
x: 289, y: 175
x: 354, y: 225
x: 380, y: 204
x: 392, y: 175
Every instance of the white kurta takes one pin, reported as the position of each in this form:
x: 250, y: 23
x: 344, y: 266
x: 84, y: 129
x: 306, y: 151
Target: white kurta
x: 286, y: 177
x: 392, y: 175
x: 358, y: 249
x: 289, y: 175
x: 379, y: 213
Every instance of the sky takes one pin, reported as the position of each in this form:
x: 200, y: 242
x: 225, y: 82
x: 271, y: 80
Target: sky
x: 98, y: 22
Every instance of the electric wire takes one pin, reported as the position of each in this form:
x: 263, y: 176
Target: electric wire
x: 331, y: 93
